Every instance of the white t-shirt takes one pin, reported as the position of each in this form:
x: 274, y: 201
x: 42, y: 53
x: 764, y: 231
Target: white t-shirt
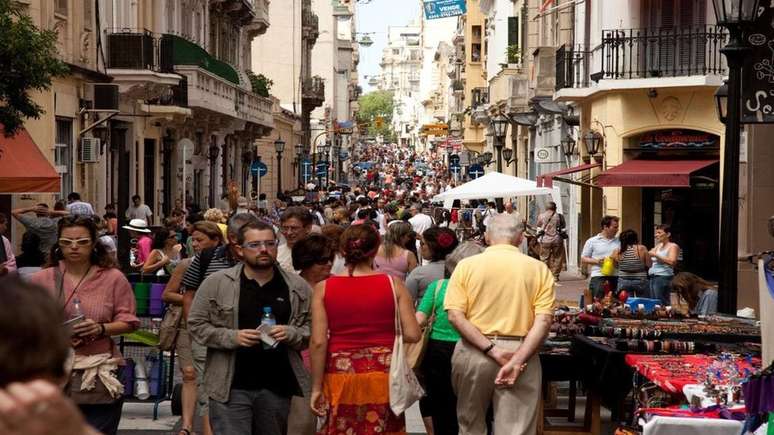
x: 142, y: 211
x: 420, y: 222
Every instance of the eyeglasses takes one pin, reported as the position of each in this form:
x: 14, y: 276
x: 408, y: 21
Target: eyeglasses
x: 70, y: 242
x: 260, y: 244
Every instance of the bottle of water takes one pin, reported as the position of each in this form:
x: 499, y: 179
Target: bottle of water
x: 268, y: 319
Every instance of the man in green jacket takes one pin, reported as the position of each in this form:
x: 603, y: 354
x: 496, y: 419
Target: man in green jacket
x: 250, y: 384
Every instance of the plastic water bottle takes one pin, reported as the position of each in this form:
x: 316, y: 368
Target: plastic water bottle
x: 268, y: 319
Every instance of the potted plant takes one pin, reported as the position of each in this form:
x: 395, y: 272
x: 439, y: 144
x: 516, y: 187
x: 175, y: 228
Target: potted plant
x: 513, y: 54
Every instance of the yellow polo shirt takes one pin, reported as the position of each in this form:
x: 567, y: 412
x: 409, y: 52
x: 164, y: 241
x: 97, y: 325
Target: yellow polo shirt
x: 501, y: 290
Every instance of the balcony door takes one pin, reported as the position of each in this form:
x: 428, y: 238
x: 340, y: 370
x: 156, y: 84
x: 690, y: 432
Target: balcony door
x: 675, y: 37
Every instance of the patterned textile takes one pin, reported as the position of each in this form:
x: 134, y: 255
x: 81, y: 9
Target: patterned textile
x: 672, y: 373
x: 356, y: 388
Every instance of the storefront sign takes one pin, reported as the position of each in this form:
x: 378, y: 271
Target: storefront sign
x: 678, y: 139
x: 758, y: 74
x: 444, y: 8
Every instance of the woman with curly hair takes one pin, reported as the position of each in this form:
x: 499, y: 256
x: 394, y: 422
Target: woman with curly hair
x: 353, y: 331
x: 435, y: 244
x: 216, y: 215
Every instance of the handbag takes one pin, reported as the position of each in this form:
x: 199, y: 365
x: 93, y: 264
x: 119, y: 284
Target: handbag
x: 404, y: 385
x: 415, y: 352
x: 170, y: 327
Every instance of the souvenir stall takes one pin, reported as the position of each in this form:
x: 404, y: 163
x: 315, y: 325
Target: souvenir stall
x: 647, y: 364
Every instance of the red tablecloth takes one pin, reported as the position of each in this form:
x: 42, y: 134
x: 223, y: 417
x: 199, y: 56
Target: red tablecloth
x: 672, y: 372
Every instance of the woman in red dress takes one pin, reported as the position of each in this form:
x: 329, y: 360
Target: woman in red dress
x: 353, y: 331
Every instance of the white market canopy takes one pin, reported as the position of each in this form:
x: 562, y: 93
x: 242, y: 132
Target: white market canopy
x: 496, y: 185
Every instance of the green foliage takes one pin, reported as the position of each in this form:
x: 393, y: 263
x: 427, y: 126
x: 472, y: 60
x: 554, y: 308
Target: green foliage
x: 260, y: 83
x: 29, y: 63
x: 513, y: 53
x: 376, y: 114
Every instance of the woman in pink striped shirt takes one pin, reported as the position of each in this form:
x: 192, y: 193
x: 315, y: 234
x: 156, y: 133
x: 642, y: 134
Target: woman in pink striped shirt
x: 98, y: 299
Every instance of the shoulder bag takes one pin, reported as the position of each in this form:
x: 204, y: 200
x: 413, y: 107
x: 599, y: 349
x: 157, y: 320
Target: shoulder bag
x: 404, y: 386
x: 170, y: 327
x: 415, y: 352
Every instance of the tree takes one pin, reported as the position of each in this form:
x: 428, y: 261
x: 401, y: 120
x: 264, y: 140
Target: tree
x: 376, y: 113
x: 260, y: 83
x: 29, y: 62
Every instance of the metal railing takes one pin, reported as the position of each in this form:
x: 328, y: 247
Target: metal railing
x: 138, y: 49
x: 479, y: 96
x: 572, y: 68
x: 313, y: 87
x: 666, y: 52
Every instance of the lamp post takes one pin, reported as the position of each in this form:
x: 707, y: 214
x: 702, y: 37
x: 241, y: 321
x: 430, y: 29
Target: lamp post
x: 568, y: 147
x: 300, y: 158
x: 212, y: 153
x: 593, y: 143
x: 734, y: 15
x: 508, y: 156
x: 279, y: 146
x: 500, y: 127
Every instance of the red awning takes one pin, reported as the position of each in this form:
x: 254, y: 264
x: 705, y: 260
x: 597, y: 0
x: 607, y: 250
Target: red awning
x: 547, y: 180
x: 652, y: 173
x: 23, y: 167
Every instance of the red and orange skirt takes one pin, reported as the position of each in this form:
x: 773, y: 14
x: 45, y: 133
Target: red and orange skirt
x: 356, y: 387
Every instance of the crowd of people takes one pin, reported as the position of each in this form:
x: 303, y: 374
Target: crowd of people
x: 289, y: 312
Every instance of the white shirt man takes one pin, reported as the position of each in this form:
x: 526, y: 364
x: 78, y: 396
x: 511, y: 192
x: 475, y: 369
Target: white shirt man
x: 420, y: 221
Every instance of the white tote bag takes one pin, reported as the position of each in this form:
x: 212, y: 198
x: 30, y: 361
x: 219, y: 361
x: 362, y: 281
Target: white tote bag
x: 404, y: 386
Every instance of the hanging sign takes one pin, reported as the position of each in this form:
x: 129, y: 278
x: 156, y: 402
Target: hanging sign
x: 758, y: 73
x: 678, y: 139
x: 444, y: 8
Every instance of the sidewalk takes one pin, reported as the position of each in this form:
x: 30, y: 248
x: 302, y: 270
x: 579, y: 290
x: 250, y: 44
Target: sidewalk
x: 569, y: 288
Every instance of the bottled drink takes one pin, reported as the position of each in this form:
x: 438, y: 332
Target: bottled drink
x: 269, y: 320
x: 77, y: 311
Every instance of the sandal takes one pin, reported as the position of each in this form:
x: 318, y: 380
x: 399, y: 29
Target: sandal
x: 185, y: 431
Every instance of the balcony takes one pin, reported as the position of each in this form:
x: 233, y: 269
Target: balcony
x: 257, y: 18
x: 210, y: 92
x: 313, y: 92
x: 642, y: 58
x: 310, y: 23
x: 479, y: 97
x: 140, y: 62
x: 185, y: 52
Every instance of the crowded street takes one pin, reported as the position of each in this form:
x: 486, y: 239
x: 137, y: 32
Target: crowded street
x: 360, y: 217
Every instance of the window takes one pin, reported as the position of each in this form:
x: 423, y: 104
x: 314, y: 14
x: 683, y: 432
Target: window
x: 61, y: 7
x: 63, y: 154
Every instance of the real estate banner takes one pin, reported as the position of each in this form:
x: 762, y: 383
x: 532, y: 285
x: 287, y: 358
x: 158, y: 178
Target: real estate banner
x: 444, y: 8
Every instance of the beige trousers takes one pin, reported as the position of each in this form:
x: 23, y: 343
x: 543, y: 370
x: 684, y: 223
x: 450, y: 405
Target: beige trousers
x: 515, y: 408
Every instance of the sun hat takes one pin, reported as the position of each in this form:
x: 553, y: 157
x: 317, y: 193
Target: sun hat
x: 138, y: 225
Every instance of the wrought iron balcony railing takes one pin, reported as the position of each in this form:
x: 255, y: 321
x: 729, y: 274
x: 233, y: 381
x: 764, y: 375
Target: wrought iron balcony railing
x: 668, y: 52
x: 644, y: 53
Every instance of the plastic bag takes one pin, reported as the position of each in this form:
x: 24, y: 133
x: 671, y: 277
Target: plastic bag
x: 608, y: 267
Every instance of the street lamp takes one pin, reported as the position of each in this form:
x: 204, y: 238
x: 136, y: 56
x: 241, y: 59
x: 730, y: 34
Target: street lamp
x: 507, y: 156
x: 500, y: 127
x: 299, y: 160
x: 734, y: 15
x: 721, y: 101
x: 568, y: 146
x: 279, y: 146
x: 593, y: 142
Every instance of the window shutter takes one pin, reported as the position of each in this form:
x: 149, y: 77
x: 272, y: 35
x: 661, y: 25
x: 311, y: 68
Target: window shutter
x: 513, y: 30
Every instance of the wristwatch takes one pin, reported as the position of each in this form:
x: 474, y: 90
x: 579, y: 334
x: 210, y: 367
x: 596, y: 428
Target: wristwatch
x: 488, y: 348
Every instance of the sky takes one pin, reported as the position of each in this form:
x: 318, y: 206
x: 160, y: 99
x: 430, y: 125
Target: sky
x: 375, y: 17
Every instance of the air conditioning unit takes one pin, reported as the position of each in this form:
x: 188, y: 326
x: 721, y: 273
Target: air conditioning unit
x: 105, y: 96
x: 89, y: 152
x: 546, y: 155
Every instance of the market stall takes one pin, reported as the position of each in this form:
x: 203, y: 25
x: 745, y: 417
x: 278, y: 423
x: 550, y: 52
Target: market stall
x: 496, y: 185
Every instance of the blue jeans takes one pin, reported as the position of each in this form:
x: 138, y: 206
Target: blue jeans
x: 638, y: 287
x: 661, y: 288
x: 597, y: 285
x: 250, y: 412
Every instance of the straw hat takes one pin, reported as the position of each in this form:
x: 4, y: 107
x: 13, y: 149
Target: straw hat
x: 138, y: 225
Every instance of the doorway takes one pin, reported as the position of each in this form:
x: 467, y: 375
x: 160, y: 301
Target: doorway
x: 693, y: 215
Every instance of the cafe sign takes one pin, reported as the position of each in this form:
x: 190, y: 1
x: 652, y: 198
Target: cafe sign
x: 678, y: 140
x: 758, y: 73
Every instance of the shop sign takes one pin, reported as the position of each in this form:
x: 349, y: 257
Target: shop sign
x: 444, y: 8
x: 758, y: 74
x: 678, y: 139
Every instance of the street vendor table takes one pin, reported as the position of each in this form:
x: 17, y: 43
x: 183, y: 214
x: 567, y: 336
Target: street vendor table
x: 673, y: 372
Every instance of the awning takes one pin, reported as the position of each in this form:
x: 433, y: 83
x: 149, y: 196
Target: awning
x: 23, y: 167
x: 547, y: 180
x: 652, y: 173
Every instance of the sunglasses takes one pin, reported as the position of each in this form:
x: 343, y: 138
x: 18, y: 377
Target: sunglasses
x: 260, y: 244
x: 70, y: 242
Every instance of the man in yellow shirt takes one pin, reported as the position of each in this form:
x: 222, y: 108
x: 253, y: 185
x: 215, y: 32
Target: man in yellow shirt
x: 501, y: 302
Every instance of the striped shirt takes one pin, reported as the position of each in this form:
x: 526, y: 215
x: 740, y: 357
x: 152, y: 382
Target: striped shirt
x: 631, y: 265
x: 221, y: 259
